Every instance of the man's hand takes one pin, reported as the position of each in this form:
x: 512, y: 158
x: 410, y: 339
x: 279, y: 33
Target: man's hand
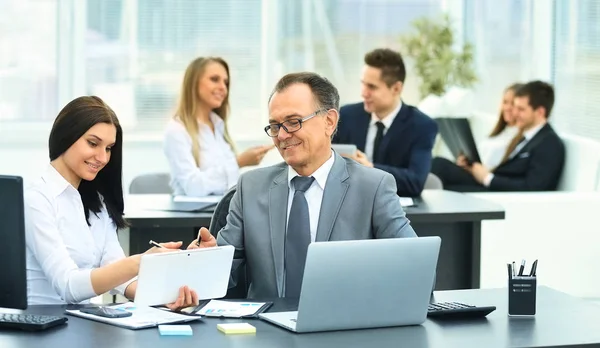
x: 205, y: 240
x: 186, y: 298
x: 479, y: 172
x: 361, y: 158
x: 462, y: 162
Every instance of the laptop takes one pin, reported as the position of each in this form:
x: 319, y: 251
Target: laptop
x: 363, y: 284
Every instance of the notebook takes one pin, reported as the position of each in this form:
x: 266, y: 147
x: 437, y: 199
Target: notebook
x: 142, y: 317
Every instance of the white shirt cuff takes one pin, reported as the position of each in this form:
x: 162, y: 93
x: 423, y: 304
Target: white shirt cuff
x: 80, y: 287
x: 120, y: 290
x: 488, y: 180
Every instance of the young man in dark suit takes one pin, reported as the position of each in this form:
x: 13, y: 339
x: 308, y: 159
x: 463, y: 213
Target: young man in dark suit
x: 389, y: 134
x: 536, y: 162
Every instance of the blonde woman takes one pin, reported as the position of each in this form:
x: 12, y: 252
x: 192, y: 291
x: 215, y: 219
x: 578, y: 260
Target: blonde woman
x: 198, y: 147
x: 494, y: 150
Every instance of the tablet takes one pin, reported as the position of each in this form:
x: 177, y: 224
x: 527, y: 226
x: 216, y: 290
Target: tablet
x: 205, y: 271
x: 344, y: 149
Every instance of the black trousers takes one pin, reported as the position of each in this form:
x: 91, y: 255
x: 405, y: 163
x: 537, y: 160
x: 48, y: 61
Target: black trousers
x: 454, y: 177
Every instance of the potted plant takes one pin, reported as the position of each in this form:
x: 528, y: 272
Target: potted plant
x: 441, y: 66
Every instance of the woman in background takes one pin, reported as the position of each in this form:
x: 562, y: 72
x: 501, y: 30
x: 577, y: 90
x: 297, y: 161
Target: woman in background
x: 73, y: 210
x: 494, y: 149
x: 197, y: 144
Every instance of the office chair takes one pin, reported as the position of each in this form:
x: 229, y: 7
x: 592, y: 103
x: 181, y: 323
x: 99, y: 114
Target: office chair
x: 218, y: 221
x: 152, y: 183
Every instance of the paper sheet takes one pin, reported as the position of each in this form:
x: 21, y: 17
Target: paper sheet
x: 230, y: 309
x: 142, y: 316
x: 207, y: 199
x: 406, y: 201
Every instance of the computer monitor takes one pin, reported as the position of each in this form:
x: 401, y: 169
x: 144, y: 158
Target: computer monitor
x: 13, y: 276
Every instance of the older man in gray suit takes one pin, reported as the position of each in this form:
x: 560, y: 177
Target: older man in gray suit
x: 316, y: 195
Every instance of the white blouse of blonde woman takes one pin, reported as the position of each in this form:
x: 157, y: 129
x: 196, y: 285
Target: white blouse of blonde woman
x: 492, y: 149
x: 217, y: 167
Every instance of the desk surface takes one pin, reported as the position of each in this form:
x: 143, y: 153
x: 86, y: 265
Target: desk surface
x: 561, y: 320
x: 432, y: 207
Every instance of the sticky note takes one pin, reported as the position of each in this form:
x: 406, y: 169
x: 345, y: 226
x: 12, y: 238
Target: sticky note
x: 175, y: 330
x: 236, y: 328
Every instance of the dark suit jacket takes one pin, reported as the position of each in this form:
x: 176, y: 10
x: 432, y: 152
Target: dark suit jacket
x: 536, y: 167
x: 405, y: 149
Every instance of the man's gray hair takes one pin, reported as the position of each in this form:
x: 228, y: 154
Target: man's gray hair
x: 325, y: 93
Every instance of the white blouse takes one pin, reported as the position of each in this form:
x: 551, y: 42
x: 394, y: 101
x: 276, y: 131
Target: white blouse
x: 62, y: 249
x: 218, y: 170
x: 492, y: 149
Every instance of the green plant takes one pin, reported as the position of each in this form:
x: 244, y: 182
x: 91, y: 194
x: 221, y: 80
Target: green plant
x: 437, y: 62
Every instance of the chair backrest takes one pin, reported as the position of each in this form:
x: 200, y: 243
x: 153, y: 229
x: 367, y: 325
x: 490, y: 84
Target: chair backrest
x: 218, y: 221
x: 219, y: 218
x: 433, y: 183
x: 581, y: 171
x: 152, y: 183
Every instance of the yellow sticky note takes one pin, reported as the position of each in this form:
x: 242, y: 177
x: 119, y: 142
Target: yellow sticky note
x: 236, y: 328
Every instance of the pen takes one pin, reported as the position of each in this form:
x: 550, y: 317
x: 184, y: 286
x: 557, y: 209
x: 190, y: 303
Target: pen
x: 533, y: 269
x: 199, y: 238
x: 513, y: 268
x: 522, y: 268
x: 155, y: 244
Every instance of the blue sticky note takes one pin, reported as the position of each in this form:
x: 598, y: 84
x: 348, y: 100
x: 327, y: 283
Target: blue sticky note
x: 175, y: 330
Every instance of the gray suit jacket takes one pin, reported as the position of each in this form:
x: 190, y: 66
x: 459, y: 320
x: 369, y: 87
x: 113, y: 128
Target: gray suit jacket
x: 358, y: 203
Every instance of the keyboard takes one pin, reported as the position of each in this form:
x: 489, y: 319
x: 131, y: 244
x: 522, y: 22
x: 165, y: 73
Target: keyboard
x: 30, y: 322
x: 457, y: 310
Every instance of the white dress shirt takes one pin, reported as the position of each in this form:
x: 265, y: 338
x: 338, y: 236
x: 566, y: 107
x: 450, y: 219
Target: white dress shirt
x: 218, y: 170
x: 314, y: 194
x: 493, y: 148
x: 62, y: 249
x: 372, y: 132
x: 528, y: 135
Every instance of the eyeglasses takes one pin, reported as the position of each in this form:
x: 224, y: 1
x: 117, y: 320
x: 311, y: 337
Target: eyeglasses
x: 290, y: 126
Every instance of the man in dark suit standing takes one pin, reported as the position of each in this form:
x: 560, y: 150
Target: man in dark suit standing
x: 536, y: 162
x: 389, y: 134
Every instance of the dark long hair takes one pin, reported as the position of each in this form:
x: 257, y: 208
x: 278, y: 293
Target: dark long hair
x: 501, y: 123
x: 76, y: 118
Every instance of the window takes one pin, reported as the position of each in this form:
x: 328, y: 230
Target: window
x: 502, y: 34
x: 133, y: 54
x: 576, y: 73
x: 28, y: 84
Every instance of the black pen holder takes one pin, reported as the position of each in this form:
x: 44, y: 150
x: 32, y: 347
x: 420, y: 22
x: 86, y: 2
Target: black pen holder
x: 522, y: 296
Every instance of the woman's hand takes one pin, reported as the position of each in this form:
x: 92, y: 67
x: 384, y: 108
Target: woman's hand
x: 187, y: 298
x: 253, y: 155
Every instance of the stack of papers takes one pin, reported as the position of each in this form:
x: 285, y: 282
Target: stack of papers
x: 142, y: 317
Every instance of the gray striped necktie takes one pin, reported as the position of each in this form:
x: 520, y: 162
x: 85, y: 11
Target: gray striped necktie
x: 297, y: 237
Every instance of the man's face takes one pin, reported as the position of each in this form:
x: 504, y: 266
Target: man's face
x: 307, y: 148
x: 377, y: 95
x: 525, y: 116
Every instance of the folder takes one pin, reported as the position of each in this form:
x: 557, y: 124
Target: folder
x: 458, y: 136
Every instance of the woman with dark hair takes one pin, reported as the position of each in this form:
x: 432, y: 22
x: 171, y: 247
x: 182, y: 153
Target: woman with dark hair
x: 198, y: 147
x: 73, y: 211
